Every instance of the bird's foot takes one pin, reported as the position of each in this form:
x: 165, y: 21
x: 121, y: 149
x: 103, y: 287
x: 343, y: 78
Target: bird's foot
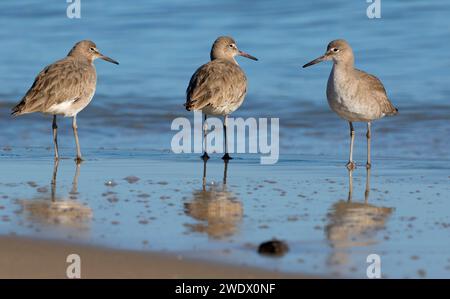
x: 205, y: 157
x: 351, y: 165
x: 78, y: 160
x: 226, y: 157
x: 368, y: 165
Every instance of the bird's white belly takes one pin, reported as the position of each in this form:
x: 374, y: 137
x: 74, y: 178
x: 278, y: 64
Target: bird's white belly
x: 69, y: 108
x: 61, y: 108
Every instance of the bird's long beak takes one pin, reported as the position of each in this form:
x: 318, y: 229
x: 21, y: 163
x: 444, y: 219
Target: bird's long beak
x: 106, y: 58
x: 317, y: 60
x: 243, y: 54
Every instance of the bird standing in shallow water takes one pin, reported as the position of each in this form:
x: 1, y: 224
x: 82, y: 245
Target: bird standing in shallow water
x: 218, y: 87
x: 353, y: 94
x: 64, y: 88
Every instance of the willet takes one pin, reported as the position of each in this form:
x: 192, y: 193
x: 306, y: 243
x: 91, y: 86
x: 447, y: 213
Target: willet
x: 219, y: 86
x: 64, y: 88
x: 353, y: 94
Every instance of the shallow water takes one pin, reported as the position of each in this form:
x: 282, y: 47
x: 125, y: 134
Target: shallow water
x: 160, y: 43
x: 125, y: 133
x: 160, y: 204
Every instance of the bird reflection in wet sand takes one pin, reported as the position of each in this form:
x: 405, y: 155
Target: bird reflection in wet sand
x: 59, y: 211
x: 218, y: 210
x: 354, y: 224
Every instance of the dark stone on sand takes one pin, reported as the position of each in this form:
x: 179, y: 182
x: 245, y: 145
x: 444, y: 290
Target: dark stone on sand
x: 273, y: 248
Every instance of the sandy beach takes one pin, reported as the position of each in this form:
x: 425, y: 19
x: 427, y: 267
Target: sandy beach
x: 27, y: 258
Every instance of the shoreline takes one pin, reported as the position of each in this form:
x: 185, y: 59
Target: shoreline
x: 19, y: 260
x: 146, y: 209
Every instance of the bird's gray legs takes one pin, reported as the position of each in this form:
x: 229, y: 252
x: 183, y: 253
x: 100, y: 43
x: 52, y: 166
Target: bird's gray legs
x: 225, y: 157
x: 368, y: 165
x: 205, y: 156
x: 351, y: 165
x: 55, y: 137
x: 225, y: 172
x: 75, y: 133
x: 369, y: 136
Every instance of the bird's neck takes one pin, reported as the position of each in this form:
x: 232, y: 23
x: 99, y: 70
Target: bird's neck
x: 343, y: 66
x: 228, y: 59
x: 341, y: 72
x: 82, y: 59
x: 345, y: 62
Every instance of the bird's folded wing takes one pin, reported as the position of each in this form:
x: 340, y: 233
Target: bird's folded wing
x: 377, y: 90
x: 59, y: 82
x: 213, y: 83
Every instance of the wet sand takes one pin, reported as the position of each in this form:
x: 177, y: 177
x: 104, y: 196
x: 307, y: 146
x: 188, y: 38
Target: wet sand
x: 150, y: 207
x: 27, y: 258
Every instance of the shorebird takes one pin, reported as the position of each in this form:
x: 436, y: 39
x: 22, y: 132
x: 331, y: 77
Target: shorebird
x: 64, y: 88
x: 354, y: 95
x: 219, y: 86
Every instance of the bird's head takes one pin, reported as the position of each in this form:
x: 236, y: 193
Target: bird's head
x: 88, y: 49
x: 338, y: 50
x: 225, y: 48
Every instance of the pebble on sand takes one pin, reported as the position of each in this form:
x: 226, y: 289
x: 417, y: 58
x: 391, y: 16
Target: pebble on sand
x: 273, y: 247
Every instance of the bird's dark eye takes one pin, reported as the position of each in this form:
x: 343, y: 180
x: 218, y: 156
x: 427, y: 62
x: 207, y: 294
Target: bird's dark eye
x: 335, y: 49
x: 92, y: 49
x: 231, y: 46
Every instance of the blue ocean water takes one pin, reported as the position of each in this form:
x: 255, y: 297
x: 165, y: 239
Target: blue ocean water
x: 160, y: 44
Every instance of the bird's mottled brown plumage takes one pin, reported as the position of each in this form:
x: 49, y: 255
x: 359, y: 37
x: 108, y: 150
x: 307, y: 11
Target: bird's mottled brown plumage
x: 66, y: 80
x: 219, y: 86
x: 64, y: 87
x: 377, y: 89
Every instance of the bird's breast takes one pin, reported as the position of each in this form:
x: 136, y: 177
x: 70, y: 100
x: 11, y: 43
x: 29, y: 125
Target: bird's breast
x: 342, y: 96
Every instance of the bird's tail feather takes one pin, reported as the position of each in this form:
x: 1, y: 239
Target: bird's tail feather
x: 26, y: 106
x: 17, y: 110
x: 189, y: 106
x: 394, y: 112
